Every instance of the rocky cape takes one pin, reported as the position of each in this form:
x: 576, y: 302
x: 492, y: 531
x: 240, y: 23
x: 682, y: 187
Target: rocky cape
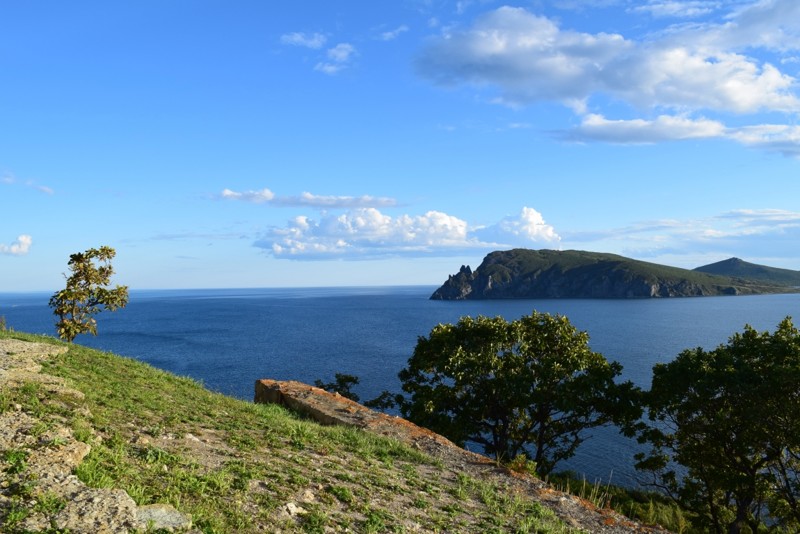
x: 524, y: 273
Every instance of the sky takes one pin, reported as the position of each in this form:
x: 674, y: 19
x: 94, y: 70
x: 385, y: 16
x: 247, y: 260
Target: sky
x: 350, y: 143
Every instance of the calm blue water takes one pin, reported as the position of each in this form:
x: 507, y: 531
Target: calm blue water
x: 230, y: 338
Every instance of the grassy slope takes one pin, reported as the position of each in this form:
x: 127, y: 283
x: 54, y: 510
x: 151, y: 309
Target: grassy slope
x: 254, y: 459
x: 504, y: 264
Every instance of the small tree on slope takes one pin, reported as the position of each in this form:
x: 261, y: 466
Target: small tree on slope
x: 86, y: 293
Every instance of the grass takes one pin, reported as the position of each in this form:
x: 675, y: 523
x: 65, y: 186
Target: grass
x: 235, y: 466
x: 647, y: 507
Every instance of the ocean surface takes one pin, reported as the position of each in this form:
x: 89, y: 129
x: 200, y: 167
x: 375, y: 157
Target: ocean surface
x: 229, y: 338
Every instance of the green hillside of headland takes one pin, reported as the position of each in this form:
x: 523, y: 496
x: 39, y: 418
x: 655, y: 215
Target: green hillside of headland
x: 233, y: 466
x: 523, y: 273
x: 734, y: 267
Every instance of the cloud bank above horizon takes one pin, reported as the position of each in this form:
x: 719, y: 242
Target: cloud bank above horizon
x: 353, y: 228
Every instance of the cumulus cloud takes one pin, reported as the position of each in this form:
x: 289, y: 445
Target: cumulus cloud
x: 335, y: 59
x: 339, y: 58
x: 257, y: 197
x: 530, y: 58
x: 772, y: 24
x: 365, y: 232
x: 529, y: 226
x: 265, y: 196
x: 670, y: 81
x: 368, y: 233
x: 683, y: 78
x: 779, y: 138
x: 314, y: 40
x: 663, y: 128
x: 393, y: 34
x: 18, y: 248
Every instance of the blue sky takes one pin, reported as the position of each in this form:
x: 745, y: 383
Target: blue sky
x: 268, y: 144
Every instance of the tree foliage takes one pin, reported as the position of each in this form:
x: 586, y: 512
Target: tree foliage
x: 86, y: 293
x: 731, y: 418
x: 342, y: 384
x: 531, y: 386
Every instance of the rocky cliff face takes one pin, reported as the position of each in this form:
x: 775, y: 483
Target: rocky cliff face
x: 547, y: 274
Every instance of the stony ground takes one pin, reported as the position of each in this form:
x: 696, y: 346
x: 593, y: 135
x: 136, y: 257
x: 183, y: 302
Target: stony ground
x: 38, y: 459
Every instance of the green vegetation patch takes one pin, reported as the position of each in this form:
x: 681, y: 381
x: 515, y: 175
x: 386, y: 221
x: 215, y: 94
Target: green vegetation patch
x: 236, y: 466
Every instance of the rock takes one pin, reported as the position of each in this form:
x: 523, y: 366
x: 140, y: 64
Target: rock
x: 162, y: 517
x: 52, y: 458
x: 98, y: 511
x: 292, y: 510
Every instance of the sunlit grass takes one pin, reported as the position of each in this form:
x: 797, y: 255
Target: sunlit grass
x: 139, y: 421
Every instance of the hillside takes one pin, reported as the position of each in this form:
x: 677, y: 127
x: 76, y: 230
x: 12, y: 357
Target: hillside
x: 734, y: 267
x: 93, y: 442
x: 523, y: 273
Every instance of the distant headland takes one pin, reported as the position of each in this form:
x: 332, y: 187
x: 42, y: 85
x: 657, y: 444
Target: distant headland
x: 524, y: 273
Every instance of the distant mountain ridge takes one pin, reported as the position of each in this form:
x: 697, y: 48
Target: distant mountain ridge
x: 737, y: 268
x: 524, y: 273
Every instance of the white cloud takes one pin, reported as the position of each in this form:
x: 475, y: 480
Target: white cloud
x: 772, y: 216
x: 530, y: 58
x: 368, y: 233
x: 328, y: 68
x: 526, y: 56
x: 11, y: 180
x: 773, y: 137
x: 339, y: 58
x: 528, y: 227
x: 681, y: 75
x: 663, y: 128
x: 314, y: 40
x: 678, y: 9
x: 19, y: 248
x: 341, y: 52
x: 265, y: 196
x: 365, y: 232
x: 756, y: 235
x: 331, y: 201
x: 394, y: 34
x: 257, y: 197
x: 773, y: 24
x: 780, y: 138
x: 683, y: 78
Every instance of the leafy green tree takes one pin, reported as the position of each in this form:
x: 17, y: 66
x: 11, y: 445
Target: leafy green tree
x: 342, y: 384
x: 731, y: 418
x: 530, y: 386
x: 86, y: 293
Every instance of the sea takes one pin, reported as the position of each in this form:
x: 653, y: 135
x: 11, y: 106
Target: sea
x: 229, y: 338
